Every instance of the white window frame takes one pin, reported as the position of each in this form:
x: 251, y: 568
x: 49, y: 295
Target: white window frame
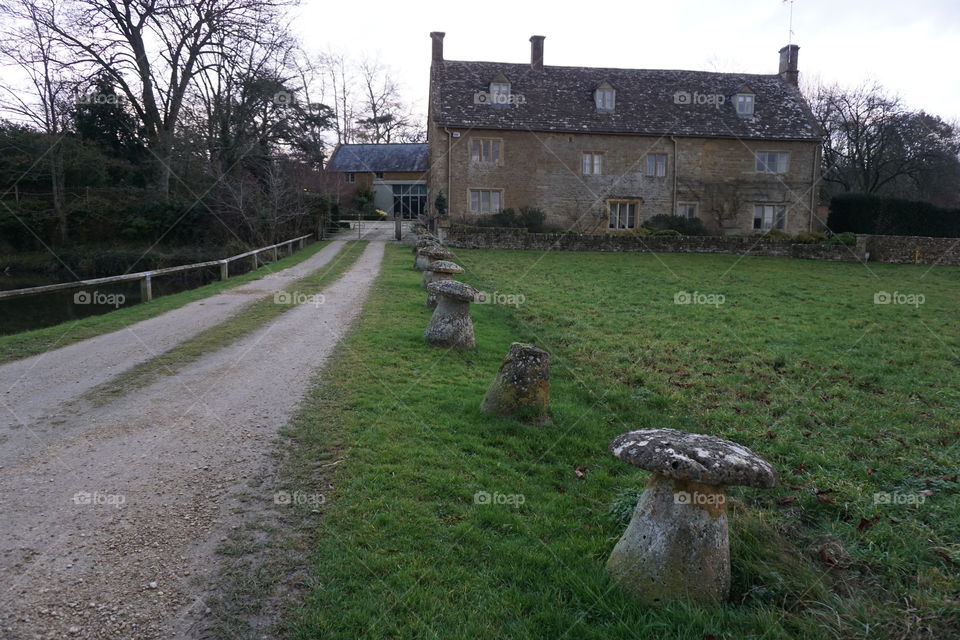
x: 496, y: 90
x: 689, y: 210
x: 773, y: 162
x: 591, y: 163
x: 351, y: 177
x: 625, y: 218
x: 605, y: 98
x: 486, y: 151
x: 770, y: 216
x: 477, y: 203
x: 744, y: 103
x: 655, y: 168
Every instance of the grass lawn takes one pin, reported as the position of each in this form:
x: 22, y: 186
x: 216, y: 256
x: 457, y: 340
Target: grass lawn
x: 29, y: 343
x: 845, y: 397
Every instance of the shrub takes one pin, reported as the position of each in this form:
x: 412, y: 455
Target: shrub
x: 845, y: 238
x: 665, y: 232
x: 809, y: 238
x: 776, y: 234
x: 529, y: 218
x: 682, y: 225
x: 864, y: 213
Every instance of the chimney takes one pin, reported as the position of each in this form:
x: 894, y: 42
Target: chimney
x: 536, y: 53
x: 437, y: 37
x: 788, y: 64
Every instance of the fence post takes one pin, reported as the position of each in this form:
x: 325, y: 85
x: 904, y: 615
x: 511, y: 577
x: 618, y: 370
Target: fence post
x: 274, y: 253
x: 146, y: 289
x: 224, y: 269
x: 255, y: 260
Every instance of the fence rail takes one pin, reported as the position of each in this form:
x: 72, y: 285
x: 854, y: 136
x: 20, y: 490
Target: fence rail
x: 146, y: 277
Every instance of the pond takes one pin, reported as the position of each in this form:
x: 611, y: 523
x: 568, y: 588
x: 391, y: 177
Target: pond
x: 43, y: 310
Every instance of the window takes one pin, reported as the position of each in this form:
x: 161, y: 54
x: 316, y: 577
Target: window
x: 351, y: 177
x: 657, y: 164
x: 378, y: 175
x: 623, y: 214
x: 772, y: 162
x: 687, y: 209
x: 500, y: 94
x: 769, y: 216
x: 485, y: 201
x: 485, y: 150
x: 744, y: 104
x: 409, y: 200
x: 605, y: 98
x: 592, y: 164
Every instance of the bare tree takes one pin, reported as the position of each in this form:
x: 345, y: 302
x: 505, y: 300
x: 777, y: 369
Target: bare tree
x: 32, y: 48
x: 385, y: 116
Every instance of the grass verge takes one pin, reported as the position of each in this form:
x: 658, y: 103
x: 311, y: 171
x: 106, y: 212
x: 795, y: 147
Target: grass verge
x: 849, y: 399
x: 247, y: 320
x: 30, y: 343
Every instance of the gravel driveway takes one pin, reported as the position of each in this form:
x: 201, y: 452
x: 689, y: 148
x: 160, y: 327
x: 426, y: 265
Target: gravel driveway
x: 111, y: 515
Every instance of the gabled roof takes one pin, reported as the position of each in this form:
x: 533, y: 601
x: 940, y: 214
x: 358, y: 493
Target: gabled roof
x: 379, y: 157
x: 561, y: 99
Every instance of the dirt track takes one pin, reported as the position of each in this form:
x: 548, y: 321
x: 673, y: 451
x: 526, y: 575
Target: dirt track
x: 112, y: 514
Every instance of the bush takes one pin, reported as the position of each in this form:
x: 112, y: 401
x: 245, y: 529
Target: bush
x: 776, y: 234
x: 845, y: 238
x: 680, y: 224
x: 665, y: 232
x: 529, y: 218
x: 864, y: 213
x: 809, y: 238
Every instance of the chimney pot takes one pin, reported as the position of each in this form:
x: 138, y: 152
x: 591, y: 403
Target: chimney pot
x: 788, y: 64
x: 536, y: 52
x: 437, y: 54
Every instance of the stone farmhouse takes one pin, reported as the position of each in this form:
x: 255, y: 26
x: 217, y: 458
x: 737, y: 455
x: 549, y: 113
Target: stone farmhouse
x: 395, y: 173
x: 602, y: 150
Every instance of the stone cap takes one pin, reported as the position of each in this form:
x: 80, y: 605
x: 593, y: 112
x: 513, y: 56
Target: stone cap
x: 444, y: 266
x: 435, y: 251
x: 453, y: 289
x: 694, y: 456
x: 427, y: 242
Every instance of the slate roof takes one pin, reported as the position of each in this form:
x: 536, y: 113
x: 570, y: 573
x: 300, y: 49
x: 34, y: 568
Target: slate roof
x: 561, y: 99
x: 379, y: 157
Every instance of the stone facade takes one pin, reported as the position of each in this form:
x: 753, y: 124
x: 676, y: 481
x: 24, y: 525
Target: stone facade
x: 543, y: 170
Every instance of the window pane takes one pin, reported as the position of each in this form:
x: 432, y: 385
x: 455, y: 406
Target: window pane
x: 495, y: 199
x: 475, y: 150
x: 475, y: 201
x: 650, y: 165
x: 631, y: 215
x: 661, y: 166
x: 484, y: 201
x: 598, y: 163
x: 495, y: 156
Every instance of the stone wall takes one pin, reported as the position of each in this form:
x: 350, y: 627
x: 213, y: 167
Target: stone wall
x: 913, y: 249
x: 495, y: 238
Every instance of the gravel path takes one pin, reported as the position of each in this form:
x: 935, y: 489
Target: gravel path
x: 109, y: 529
x: 29, y: 388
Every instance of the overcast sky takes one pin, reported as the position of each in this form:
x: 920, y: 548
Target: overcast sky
x: 911, y: 48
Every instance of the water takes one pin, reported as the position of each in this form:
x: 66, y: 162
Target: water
x: 36, y: 311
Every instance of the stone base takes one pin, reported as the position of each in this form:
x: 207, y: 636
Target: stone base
x: 521, y: 388
x: 451, y: 325
x: 676, y: 545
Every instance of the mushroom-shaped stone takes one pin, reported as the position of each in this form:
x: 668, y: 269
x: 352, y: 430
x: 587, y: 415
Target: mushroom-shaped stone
x: 521, y: 388
x: 426, y: 255
x: 424, y: 242
x: 440, y: 270
x: 451, y: 325
x: 676, y: 544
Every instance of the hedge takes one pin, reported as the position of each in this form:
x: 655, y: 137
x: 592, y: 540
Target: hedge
x: 864, y: 213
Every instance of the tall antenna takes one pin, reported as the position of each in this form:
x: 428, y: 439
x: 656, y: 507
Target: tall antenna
x: 790, y: 32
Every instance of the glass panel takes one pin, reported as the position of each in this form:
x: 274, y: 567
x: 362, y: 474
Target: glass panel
x: 598, y: 163
x: 475, y: 150
x: 631, y: 215
x: 484, y: 201
x: 651, y: 165
x: 475, y: 201
x: 495, y: 201
x: 495, y: 157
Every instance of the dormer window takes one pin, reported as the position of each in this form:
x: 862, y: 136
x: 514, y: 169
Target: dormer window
x: 605, y: 97
x: 499, y: 94
x: 744, y: 104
